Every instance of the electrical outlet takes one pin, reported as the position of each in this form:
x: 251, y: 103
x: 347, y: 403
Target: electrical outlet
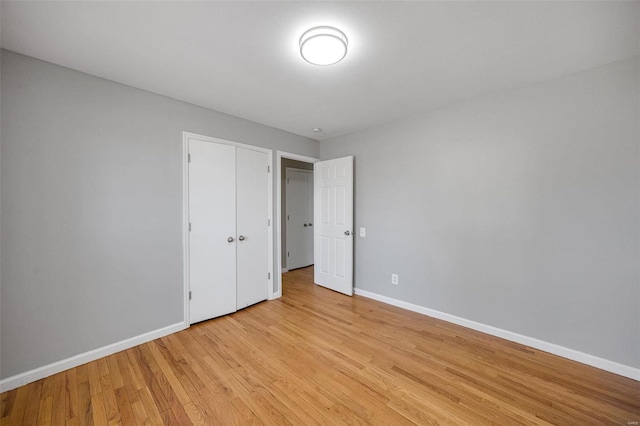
x: 394, y: 279
x: 363, y: 232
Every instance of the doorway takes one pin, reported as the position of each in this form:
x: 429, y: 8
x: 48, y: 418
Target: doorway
x: 297, y: 221
x: 299, y: 167
x: 333, y: 232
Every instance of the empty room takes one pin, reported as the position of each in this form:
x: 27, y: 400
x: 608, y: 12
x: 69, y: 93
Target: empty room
x: 318, y: 213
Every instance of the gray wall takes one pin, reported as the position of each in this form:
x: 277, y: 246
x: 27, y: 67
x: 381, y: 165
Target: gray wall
x: 519, y: 210
x: 92, y: 208
x: 286, y: 162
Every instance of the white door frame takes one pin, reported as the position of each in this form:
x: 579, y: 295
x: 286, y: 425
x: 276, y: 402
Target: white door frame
x: 276, y: 293
x: 185, y: 209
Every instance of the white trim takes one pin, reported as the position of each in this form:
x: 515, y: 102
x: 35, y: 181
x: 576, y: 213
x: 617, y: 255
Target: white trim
x: 285, y: 270
x: 185, y: 226
x: 48, y: 370
x: 271, y: 225
x: 186, y: 136
x: 594, y: 361
x: 279, y: 156
x: 203, y: 138
x: 295, y: 169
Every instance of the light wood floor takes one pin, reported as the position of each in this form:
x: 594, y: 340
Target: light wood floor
x: 317, y: 357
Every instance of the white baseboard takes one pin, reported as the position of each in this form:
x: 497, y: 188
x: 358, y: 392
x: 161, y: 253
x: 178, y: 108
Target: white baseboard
x: 56, y: 367
x: 594, y: 361
x: 285, y: 270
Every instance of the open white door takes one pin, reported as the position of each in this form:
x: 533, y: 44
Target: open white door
x: 333, y: 224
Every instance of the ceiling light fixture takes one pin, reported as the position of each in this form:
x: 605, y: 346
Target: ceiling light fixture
x: 316, y: 130
x: 323, y: 45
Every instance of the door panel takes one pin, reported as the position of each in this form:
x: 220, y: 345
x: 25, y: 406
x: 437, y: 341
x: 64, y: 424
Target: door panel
x: 334, y: 224
x: 212, y: 258
x: 299, y: 219
x: 253, y: 232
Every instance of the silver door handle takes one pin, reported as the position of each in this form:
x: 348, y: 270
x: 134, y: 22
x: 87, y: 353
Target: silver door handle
x: 347, y: 233
x: 241, y: 238
x: 305, y: 225
x: 230, y: 239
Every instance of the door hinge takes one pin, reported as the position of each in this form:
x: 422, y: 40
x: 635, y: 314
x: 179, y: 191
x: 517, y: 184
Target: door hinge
x: 189, y: 157
x: 287, y: 217
x: 269, y: 275
x: 189, y: 226
x: 287, y: 180
x: 268, y: 169
x: 288, y: 254
x: 189, y: 295
x: 268, y: 222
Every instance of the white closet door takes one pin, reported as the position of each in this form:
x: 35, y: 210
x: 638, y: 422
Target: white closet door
x: 212, y: 213
x: 334, y: 224
x: 252, y: 227
x: 299, y: 219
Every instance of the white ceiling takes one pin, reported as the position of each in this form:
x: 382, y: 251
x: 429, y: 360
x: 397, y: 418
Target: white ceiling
x: 404, y: 58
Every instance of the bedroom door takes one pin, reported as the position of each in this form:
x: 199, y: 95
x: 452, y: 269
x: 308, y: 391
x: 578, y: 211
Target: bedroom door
x: 333, y: 224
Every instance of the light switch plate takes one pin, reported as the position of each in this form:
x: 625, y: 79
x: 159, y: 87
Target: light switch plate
x: 363, y: 232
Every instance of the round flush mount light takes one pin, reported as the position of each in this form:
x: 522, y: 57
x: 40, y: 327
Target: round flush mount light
x: 323, y: 45
x: 316, y: 130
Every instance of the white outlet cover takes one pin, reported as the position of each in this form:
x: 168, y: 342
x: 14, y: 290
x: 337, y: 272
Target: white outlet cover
x: 394, y: 279
x: 363, y: 232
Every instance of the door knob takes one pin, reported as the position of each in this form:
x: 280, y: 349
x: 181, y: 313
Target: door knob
x: 311, y: 224
x: 241, y: 238
x: 230, y: 239
x: 347, y: 233
x: 305, y: 225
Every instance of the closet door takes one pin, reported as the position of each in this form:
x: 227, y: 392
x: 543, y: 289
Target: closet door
x: 212, y: 245
x: 252, y: 228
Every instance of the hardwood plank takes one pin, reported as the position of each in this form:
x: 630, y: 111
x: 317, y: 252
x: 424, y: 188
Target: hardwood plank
x: 20, y: 405
x: 72, y: 403
x: 124, y: 406
x: 6, y: 402
x: 114, y: 372
x: 109, y: 399
x: 139, y: 412
x: 98, y: 410
x: 127, y: 395
x: 150, y: 407
x: 94, y: 378
x: 33, y: 403
x: 58, y: 414
x: 85, y: 413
